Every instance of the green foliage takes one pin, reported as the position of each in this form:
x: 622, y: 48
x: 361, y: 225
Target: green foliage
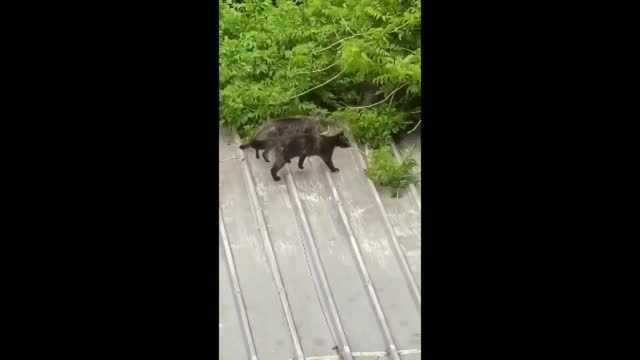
x: 374, y: 127
x: 385, y: 170
x: 274, y: 60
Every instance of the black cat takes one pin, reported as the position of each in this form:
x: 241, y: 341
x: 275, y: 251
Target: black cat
x: 290, y: 126
x: 303, y: 146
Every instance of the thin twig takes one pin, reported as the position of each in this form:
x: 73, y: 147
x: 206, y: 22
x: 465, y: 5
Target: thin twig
x: 347, y: 26
x: 404, y: 155
x: 313, y: 88
x: 415, y: 127
x: 339, y: 41
x: 362, y: 33
x: 309, y: 72
x: 391, y: 101
x: 381, y: 101
x: 411, y: 51
x: 403, y: 25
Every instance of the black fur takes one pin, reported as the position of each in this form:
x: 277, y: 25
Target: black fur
x: 290, y: 126
x: 303, y: 146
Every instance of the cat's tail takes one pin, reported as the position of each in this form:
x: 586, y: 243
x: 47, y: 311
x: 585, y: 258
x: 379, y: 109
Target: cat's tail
x: 256, y: 144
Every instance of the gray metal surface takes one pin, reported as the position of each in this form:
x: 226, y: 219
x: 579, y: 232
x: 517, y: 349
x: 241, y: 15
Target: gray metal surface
x: 314, y: 261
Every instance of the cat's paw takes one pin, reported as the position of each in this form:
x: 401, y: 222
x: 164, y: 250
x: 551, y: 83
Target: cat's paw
x: 335, y: 170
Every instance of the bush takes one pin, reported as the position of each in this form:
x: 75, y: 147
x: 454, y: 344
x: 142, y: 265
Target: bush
x: 374, y: 127
x: 385, y: 170
x: 282, y: 58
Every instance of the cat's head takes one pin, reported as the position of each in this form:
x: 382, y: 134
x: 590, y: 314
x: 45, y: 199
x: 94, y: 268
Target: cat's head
x: 341, y: 140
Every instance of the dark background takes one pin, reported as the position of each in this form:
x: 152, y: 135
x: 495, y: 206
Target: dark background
x: 117, y: 254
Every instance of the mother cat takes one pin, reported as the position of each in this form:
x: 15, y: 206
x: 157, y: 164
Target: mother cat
x: 289, y: 126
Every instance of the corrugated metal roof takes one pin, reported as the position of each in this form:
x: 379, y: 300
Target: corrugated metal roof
x: 316, y: 260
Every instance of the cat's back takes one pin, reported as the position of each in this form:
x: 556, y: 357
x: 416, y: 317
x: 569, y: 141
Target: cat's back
x: 300, y: 143
x: 290, y: 126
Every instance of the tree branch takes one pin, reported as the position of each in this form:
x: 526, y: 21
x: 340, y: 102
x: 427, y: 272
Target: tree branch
x: 411, y: 51
x: 415, y: 127
x: 381, y: 101
x: 313, y: 88
x: 339, y: 41
x: 309, y: 72
x: 362, y: 33
x: 347, y: 26
x: 391, y: 101
x: 403, y: 25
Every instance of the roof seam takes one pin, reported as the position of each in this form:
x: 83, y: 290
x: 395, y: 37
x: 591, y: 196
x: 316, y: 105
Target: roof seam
x: 319, y: 272
x: 363, y: 271
x: 394, y: 240
x: 239, y: 298
x: 273, y: 262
